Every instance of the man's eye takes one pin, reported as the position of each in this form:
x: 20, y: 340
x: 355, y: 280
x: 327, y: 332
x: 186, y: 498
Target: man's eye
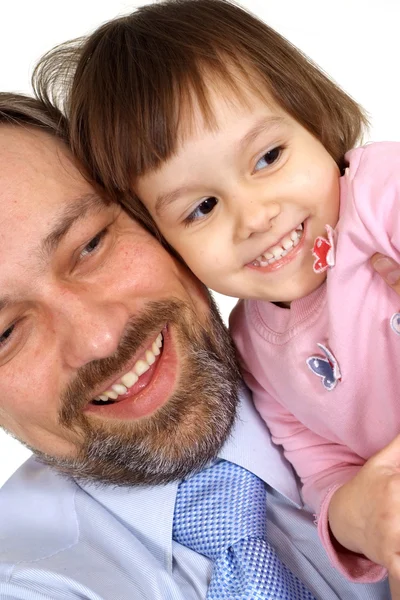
x: 269, y: 158
x: 4, y: 337
x: 93, y: 245
x: 203, y: 209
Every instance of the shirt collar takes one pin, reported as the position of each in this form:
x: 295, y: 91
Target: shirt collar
x: 251, y: 447
x: 149, y: 511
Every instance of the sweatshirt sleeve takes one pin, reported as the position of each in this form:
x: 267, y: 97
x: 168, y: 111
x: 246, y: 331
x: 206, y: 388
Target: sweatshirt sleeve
x: 322, y: 466
x: 373, y: 181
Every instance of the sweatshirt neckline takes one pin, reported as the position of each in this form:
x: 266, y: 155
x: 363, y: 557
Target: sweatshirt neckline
x: 277, y: 324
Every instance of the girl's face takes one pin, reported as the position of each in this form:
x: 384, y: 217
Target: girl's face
x: 244, y: 201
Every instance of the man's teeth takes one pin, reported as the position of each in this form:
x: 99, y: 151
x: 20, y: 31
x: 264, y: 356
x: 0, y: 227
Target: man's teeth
x: 280, y: 250
x: 130, y: 378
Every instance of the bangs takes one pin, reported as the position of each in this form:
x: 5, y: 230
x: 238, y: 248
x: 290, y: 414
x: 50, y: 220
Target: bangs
x: 137, y: 86
x: 193, y: 95
x: 145, y: 113
x: 136, y: 93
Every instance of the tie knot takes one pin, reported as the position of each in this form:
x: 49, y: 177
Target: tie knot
x: 218, y: 507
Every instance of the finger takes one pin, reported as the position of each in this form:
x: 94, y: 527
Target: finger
x: 388, y: 269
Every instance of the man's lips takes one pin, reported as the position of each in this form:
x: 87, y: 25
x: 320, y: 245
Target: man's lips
x: 145, y: 358
x: 152, y: 390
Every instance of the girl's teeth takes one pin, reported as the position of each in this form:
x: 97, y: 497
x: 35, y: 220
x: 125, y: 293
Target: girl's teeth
x: 287, y: 243
x: 111, y: 395
x: 276, y: 251
x: 103, y: 397
x: 155, y: 349
x: 129, y: 379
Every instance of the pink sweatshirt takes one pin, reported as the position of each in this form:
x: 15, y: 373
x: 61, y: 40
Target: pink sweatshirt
x: 328, y: 434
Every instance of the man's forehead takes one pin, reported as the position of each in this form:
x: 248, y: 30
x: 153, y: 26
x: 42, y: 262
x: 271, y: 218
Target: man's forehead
x: 42, y: 193
x: 38, y: 176
x: 28, y: 144
x: 31, y: 159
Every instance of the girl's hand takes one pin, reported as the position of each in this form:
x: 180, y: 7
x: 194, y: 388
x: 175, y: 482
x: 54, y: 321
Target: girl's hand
x: 364, y: 514
x: 390, y: 271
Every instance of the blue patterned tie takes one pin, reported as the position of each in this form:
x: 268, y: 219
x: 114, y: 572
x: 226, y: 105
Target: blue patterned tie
x: 221, y: 513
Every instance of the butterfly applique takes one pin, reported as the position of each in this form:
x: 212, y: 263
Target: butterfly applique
x: 395, y: 323
x: 324, y: 252
x: 327, y: 368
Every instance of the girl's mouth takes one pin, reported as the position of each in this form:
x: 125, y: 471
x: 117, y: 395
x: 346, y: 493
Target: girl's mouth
x: 286, y: 245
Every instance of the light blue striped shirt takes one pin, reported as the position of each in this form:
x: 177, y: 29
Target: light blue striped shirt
x: 60, y: 540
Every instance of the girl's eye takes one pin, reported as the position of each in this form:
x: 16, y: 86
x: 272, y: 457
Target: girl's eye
x: 4, y: 337
x: 269, y: 158
x: 94, y: 243
x: 204, y: 208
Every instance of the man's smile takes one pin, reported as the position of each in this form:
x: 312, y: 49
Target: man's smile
x: 119, y: 389
x: 153, y: 376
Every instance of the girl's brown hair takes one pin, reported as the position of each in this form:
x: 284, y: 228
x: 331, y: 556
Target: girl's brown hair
x: 128, y: 83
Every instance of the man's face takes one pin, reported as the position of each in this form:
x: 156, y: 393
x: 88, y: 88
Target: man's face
x: 112, y: 366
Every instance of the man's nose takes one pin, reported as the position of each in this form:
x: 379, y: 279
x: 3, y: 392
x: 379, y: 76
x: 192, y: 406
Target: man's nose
x: 88, y: 328
x: 254, y: 216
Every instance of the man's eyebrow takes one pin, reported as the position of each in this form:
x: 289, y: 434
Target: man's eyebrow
x: 4, y: 302
x: 70, y: 215
x: 264, y: 124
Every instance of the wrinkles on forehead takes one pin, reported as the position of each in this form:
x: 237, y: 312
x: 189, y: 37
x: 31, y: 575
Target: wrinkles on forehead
x: 42, y: 182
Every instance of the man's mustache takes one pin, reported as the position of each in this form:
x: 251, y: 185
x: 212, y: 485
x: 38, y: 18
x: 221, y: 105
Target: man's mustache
x: 139, y: 329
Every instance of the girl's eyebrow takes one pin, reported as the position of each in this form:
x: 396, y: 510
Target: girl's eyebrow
x: 164, y: 200
x: 261, y: 126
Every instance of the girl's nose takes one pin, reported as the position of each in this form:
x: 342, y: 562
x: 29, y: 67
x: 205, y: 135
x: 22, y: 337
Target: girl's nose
x: 255, y: 217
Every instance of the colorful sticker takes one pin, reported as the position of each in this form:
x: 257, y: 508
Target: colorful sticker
x: 395, y: 323
x: 326, y: 368
x: 324, y: 252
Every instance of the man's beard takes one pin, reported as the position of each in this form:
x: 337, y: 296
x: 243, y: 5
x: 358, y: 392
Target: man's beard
x: 181, y: 436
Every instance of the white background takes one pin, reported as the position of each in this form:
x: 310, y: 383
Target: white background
x: 355, y: 41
